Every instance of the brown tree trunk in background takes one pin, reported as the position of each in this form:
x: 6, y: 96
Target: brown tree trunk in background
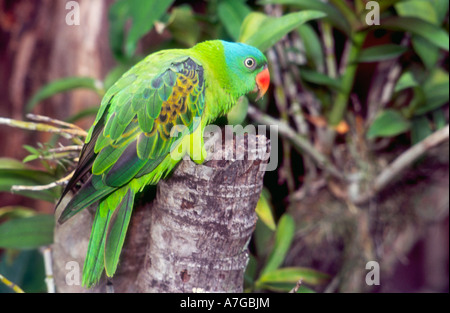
x: 37, y: 47
x: 80, y: 50
x: 193, y: 238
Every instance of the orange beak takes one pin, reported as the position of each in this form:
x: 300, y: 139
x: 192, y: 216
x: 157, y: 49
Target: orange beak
x: 262, y: 82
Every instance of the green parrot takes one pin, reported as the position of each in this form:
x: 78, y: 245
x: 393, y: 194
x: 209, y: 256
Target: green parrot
x: 148, y: 120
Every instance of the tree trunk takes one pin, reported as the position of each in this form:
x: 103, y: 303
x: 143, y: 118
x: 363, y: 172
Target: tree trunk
x: 194, y: 237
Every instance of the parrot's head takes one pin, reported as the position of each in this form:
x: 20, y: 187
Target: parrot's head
x: 247, y: 69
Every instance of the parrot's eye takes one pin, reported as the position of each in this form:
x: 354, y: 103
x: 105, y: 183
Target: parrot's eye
x: 250, y: 62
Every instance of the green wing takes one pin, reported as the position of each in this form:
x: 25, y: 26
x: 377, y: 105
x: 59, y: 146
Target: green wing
x: 141, y: 129
x: 131, y: 134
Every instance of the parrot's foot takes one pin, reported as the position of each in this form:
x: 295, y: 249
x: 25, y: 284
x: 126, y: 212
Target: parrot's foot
x: 199, y: 155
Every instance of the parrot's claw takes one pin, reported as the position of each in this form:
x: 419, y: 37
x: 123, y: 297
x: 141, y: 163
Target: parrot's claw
x: 199, y: 158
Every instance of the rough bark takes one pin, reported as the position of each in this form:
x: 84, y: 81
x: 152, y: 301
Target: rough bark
x: 195, y: 235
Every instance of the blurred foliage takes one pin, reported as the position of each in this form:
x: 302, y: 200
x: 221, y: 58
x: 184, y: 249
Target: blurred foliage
x: 13, y: 172
x: 315, y: 51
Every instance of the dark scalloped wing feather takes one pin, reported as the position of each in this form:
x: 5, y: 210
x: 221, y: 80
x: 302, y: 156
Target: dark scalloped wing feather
x: 87, y: 157
x: 126, y: 167
x: 106, y: 158
x: 88, y: 194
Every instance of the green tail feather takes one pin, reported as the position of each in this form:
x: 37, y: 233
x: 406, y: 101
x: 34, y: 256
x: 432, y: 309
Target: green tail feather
x: 93, y: 265
x: 117, y: 231
x: 107, y: 236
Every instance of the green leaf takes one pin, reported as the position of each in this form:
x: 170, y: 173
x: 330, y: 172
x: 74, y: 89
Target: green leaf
x: 30, y: 158
x: 433, y: 101
x: 63, y: 85
x: 263, y: 239
x: 436, y: 91
x: 381, y: 53
x: 8, y: 163
x: 418, y: 8
x: 31, y: 149
x: 25, y: 268
x: 264, y: 210
x: 91, y: 111
x: 417, y: 101
x: 439, y: 119
x: 428, y: 31
x: 406, y: 81
x: 272, y: 29
x: 250, y: 272
x: 143, y: 15
x: 386, y: 4
x: 20, y: 176
x: 388, y: 123
x: 333, y: 15
x: 429, y: 11
x: 284, y: 287
x: 313, y: 46
x: 231, y: 14
x: 420, y: 129
x: 27, y: 233
x: 304, y: 289
x: 293, y: 275
x: 251, y: 24
x: 283, y: 239
x: 33, y: 156
x: 441, y: 8
x: 320, y: 79
x: 118, y: 15
x: 428, y: 53
x: 16, y: 211
x: 183, y: 25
